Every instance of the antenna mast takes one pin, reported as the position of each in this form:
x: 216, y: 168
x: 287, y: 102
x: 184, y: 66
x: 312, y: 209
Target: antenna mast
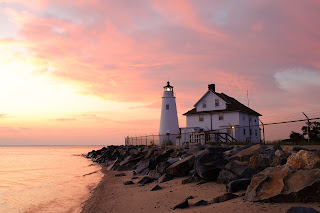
x: 248, y: 96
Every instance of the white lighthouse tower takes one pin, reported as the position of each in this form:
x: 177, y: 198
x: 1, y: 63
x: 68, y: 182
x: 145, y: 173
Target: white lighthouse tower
x: 169, y: 126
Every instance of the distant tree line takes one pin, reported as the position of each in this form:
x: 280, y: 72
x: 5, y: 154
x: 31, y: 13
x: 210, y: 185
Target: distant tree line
x: 314, y: 132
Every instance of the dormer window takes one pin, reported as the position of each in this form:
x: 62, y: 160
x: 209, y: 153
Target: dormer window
x: 217, y: 102
x: 204, y: 103
x: 168, y: 88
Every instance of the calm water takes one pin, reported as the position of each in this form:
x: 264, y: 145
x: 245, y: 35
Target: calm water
x: 45, y: 179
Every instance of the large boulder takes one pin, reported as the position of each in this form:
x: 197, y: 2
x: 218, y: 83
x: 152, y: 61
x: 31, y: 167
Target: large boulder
x: 240, y: 170
x: 246, y: 154
x: 226, y: 176
x: 238, y: 185
x: 154, y: 174
x: 114, y: 165
x: 144, y: 166
x: 182, y: 167
x: 209, y: 162
x: 260, y: 162
x: 285, y: 184
x: 162, y: 167
x: 304, y: 160
x: 234, y: 151
x: 210, y: 171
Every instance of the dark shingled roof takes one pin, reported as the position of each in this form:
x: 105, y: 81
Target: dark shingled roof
x: 232, y: 105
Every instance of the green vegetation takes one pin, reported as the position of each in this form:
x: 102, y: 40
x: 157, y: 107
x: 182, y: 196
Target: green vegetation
x: 314, y: 133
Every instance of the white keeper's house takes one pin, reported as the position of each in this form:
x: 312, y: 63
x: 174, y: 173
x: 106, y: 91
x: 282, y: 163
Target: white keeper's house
x: 220, y: 116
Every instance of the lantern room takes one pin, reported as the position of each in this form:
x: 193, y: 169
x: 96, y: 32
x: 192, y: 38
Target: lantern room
x: 168, y: 88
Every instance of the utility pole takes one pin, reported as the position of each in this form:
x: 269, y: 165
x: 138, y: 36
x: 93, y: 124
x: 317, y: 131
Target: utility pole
x: 308, y: 128
x: 264, y: 139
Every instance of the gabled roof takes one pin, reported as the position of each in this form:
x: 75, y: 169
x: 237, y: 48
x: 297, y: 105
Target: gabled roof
x: 232, y: 105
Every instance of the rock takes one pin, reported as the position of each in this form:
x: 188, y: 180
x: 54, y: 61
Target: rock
x: 154, y: 174
x: 144, y: 166
x: 191, y: 179
x: 192, y: 172
x: 209, y: 163
x: 259, y: 162
x: 304, y: 160
x: 133, y: 151
x: 246, y: 154
x: 120, y: 175
x: 211, y: 154
x: 113, y: 165
x: 145, y: 171
x: 300, y: 209
x: 134, y: 173
x: 173, y: 160
x: 201, y: 203
x: 128, y: 183
x: 164, y: 178
x: 190, y: 197
x: 183, y: 205
x: 234, y: 151
x: 238, y: 185
x: 285, y: 184
x: 133, y: 178
x: 276, y: 148
x: 146, y: 180
x: 279, y: 160
x: 162, y: 167
x: 149, y: 153
x: 209, y: 171
x: 279, y: 153
x: 156, y: 187
x: 240, y: 170
x: 226, y: 176
x: 186, y: 155
x: 182, y: 167
x: 223, y: 198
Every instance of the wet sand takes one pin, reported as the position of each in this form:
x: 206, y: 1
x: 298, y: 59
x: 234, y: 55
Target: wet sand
x: 111, y: 196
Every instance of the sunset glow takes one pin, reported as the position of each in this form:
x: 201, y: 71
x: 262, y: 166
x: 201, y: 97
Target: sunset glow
x: 92, y: 72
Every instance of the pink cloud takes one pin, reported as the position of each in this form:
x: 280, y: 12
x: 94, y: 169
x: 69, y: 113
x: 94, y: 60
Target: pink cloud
x: 126, y: 51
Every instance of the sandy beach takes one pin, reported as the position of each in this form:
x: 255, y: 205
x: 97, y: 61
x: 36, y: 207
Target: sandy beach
x: 112, y: 196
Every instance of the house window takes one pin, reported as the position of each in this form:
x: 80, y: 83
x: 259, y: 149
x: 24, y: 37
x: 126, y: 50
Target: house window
x: 221, y: 116
x: 255, y: 120
x: 256, y: 132
x: 200, y: 117
x: 204, y: 103
x: 217, y: 102
x: 243, y: 117
x: 244, y: 131
x: 167, y: 106
x: 250, y: 130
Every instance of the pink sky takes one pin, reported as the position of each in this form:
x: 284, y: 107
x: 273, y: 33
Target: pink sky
x: 92, y: 72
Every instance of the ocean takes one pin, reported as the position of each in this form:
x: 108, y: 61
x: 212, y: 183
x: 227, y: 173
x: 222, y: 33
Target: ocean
x: 46, y: 178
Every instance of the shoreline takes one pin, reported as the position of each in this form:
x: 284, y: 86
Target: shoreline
x: 111, y: 196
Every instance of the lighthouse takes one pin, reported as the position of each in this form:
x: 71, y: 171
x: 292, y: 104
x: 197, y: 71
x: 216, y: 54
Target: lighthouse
x: 169, y: 126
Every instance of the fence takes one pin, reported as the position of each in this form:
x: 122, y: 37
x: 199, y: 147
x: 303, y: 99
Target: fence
x: 267, y: 132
